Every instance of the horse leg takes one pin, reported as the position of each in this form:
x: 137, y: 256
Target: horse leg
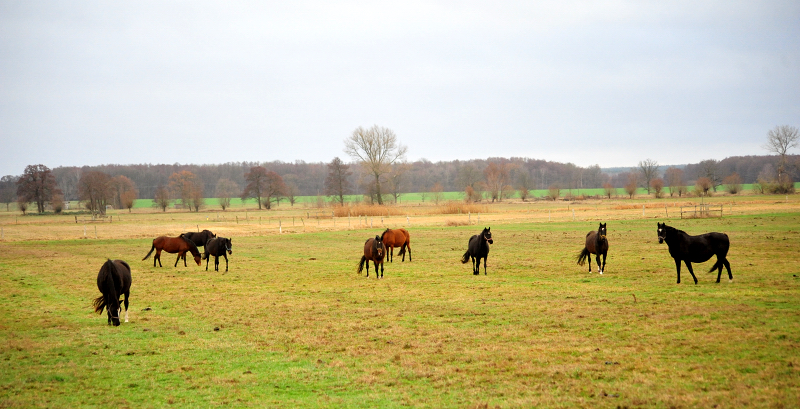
x: 590, y: 262
x: 485, y: 263
x: 157, y: 257
x: 376, y: 269
x: 678, y: 268
x: 408, y: 249
x: 226, y: 261
x: 727, y: 267
x: 391, y: 254
x: 127, y: 293
x: 207, y: 260
x: 604, y: 263
x: 216, y: 263
x: 177, y: 260
x: 367, y: 263
x: 474, y: 268
x: 599, y: 266
x: 689, y: 266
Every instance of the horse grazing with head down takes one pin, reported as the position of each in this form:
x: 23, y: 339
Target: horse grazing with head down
x: 397, y: 238
x: 477, y: 249
x: 113, y: 280
x: 696, y: 249
x: 179, y: 245
x: 216, y: 247
x: 596, y: 243
x: 374, y: 251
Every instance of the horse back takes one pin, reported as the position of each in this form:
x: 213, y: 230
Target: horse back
x: 124, y: 271
x: 476, y: 247
x: 591, y: 239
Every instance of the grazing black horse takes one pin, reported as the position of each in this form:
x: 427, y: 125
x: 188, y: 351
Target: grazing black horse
x: 374, y: 251
x: 477, y: 249
x: 216, y: 247
x: 596, y: 243
x: 200, y: 238
x: 113, y: 280
x: 696, y: 249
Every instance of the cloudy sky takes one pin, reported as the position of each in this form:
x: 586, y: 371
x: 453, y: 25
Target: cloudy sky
x: 608, y: 83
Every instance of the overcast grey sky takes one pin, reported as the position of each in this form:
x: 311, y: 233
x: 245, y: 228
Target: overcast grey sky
x: 608, y: 83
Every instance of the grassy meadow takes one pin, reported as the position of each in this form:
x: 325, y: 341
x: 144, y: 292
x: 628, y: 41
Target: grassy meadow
x: 292, y: 325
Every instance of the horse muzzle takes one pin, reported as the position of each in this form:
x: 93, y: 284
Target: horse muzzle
x: 660, y: 240
x: 490, y: 241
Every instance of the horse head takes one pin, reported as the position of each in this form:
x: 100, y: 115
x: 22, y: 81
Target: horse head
x: 228, y: 246
x: 378, y: 246
x: 601, y: 231
x: 487, y: 235
x: 662, y: 232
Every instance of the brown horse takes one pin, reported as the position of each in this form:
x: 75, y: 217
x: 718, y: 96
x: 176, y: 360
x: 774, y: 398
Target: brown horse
x: 397, y: 238
x: 373, y: 251
x: 596, y: 243
x: 178, y: 245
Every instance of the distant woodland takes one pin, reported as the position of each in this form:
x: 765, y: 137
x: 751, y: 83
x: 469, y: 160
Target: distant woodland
x: 423, y: 175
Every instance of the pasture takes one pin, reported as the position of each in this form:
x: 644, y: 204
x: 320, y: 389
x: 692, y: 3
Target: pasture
x: 292, y: 325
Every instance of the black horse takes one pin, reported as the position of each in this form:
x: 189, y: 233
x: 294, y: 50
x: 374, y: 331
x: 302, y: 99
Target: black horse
x: 477, y: 249
x: 596, y: 243
x: 200, y: 238
x: 113, y: 280
x: 374, y: 251
x: 216, y: 247
x: 696, y: 249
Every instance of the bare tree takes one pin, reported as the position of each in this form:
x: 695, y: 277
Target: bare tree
x: 57, y: 202
x: 554, y: 192
x: 468, y: 176
x: 496, y: 175
x: 524, y: 184
x: 609, y: 189
x: 95, y: 190
x: 376, y: 149
x: 702, y: 186
x: 187, y: 187
x: 8, y: 190
x: 121, y: 184
x: 657, y: 185
x: 733, y: 183
x: 397, y: 179
x: 225, y: 190
x: 437, y: 192
x: 129, y: 199
x: 779, y: 141
x: 22, y: 204
x: 632, y: 185
x: 674, y: 179
x: 291, y: 193
x: 264, y: 186
x: 337, y: 184
x: 649, y: 171
x: 161, y: 198
x: 709, y: 169
x: 37, y: 184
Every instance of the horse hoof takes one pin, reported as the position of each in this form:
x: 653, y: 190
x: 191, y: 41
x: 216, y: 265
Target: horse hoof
x: 601, y: 272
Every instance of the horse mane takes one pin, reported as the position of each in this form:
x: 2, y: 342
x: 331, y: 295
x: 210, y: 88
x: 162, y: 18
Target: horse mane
x: 384, y: 233
x: 192, y: 246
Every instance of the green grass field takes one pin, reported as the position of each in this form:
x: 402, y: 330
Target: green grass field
x: 292, y: 325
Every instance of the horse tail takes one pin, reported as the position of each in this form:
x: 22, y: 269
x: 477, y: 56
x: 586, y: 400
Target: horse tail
x: 107, y: 270
x: 361, y: 264
x: 465, y: 258
x: 153, y: 247
x: 584, y: 254
x: 99, y: 303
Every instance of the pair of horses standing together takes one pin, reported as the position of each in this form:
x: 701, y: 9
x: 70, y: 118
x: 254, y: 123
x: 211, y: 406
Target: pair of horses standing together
x: 375, y: 249
x: 682, y: 247
x: 189, y: 242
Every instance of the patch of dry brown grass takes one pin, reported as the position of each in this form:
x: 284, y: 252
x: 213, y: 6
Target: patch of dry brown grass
x: 454, y: 207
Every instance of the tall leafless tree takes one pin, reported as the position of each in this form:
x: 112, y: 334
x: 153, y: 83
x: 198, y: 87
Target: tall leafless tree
x: 496, y: 175
x: 226, y: 189
x: 264, y: 185
x: 188, y: 188
x: 709, y: 168
x: 337, y: 184
x: 121, y: 185
x: 37, y: 184
x: 95, y: 190
x: 8, y: 190
x: 779, y: 141
x: 376, y: 149
x: 649, y: 171
x: 674, y: 179
x: 161, y: 198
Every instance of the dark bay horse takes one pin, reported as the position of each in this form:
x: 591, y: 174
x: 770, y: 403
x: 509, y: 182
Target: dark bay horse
x: 374, y: 251
x: 397, y: 238
x: 200, y: 238
x: 216, y: 247
x: 696, y: 249
x: 178, y: 245
x: 113, y: 280
x: 596, y: 243
x: 477, y: 249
